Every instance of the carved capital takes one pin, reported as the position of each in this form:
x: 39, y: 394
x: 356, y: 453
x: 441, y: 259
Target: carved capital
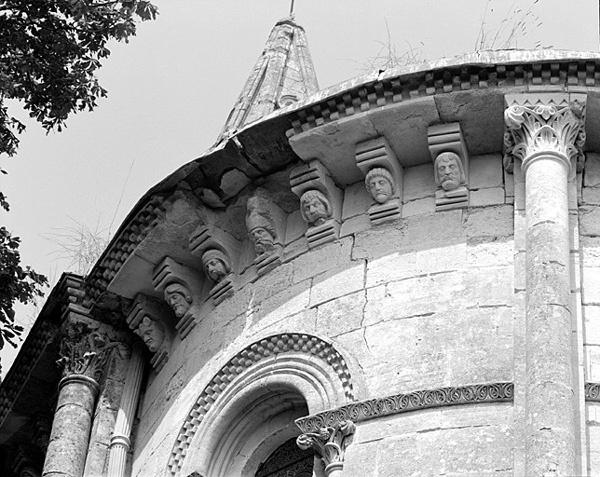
x: 539, y: 125
x: 329, y: 443
x: 86, y: 351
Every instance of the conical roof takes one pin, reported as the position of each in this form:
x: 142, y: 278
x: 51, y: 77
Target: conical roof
x: 283, y: 74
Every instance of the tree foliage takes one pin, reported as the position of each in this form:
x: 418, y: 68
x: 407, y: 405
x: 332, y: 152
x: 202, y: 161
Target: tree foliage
x: 50, y: 51
x: 16, y: 283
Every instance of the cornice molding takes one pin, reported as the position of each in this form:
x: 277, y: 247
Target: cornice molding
x: 400, y: 403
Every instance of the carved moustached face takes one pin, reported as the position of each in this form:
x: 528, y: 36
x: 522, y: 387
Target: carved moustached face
x: 449, y: 173
x: 315, y: 211
x: 380, y: 188
x: 178, y: 302
x: 263, y: 240
x: 215, y: 269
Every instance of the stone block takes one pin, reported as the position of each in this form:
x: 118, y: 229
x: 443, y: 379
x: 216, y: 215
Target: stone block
x: 591, y: 323
x: 355, y: 225
x: 419, y: 207
x: 322, y: 259
x: 590, y: 285
x: 410, y: 263
x: 592, y: 359
x: 593, y: 430
x: 295, y: 249
x: 489, y: 222
x: 356, y: 200
x: 337, y: 282
x: 487, y: 197
x: 591, y: 175
x: 292, y: 300
x: 485, y: 171
x: 490, y: 286
x: 419, y: 182
x: 589, y: 220
x: 341, y: 315
x: 590, y: 251
x: 295, y: 227
x: 489, y: 251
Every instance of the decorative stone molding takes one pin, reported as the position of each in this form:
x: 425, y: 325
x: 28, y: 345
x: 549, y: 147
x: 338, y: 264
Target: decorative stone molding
x: 592, y: 392
x: 237, y: 366
x: 450, y: 166
x: 484, y: 71
x: 383, y: 178
x: 329, y: 443
x: 400, y: 403
x: 539, y: 123
x: 320, y: 202
x: 148, y: 318
x: 265, y: 222
x: 182, y: 289
x: 214, y: 247
x: 86, y: 350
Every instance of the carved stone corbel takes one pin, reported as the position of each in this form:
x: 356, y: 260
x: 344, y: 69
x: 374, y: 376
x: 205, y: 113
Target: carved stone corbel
x: 330, y: 444
x: 149, y: 319
x: 320, y: 202
x: 182, y: 289
x: 265, y: 224
x: 214, y: 247
x: 383, y: 178
x: 450, y: 166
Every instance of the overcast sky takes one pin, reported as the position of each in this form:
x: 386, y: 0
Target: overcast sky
x: 172, y: 87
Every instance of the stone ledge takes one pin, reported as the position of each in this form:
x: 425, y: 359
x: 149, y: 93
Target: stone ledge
x: 415, y: 401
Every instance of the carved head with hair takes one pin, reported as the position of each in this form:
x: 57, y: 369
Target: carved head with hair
x: 216, y: 264
x: 261, y: 232
x: 380, y: 184
x: 448, y: 171
x: 151, y: 332
x: 315, y: 207
x: 179, y: 298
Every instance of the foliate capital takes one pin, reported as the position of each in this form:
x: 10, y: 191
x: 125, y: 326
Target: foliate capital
x: 545, y: 124
x: 329, y: 443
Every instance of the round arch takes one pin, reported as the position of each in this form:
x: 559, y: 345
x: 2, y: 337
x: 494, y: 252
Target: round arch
x: 249, y: 406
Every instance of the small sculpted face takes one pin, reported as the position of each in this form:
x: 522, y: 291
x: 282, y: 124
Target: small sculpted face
x: 314, y: 209
x: 151, y: 333
x: 380, y: 189
x: 215, y: 269
x: 449, y: 173
x: 263, y: 240
x: 178, y: 299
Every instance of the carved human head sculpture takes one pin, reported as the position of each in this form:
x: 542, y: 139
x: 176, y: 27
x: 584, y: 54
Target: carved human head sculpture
x: 216, y: 264
x: 179, y: 298
x: 448, y: 171
x: 380, y: 184
x: 315, y: 208
x: 261, y: 232
x: 151, y: 332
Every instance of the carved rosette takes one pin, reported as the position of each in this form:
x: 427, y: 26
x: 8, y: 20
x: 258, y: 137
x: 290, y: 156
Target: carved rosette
x: 539, y: 126
x: 329, y: 443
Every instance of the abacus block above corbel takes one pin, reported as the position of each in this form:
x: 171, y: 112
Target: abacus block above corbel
x: 149, y: 318
x: 265, y: 222
x: 215, y: 246
x: 383, y: 178
x: 450, y: 166
x: 183, y: 290
x: 320, y: 202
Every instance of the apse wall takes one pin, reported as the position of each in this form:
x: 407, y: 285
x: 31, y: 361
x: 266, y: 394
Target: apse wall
x: 424, y: 302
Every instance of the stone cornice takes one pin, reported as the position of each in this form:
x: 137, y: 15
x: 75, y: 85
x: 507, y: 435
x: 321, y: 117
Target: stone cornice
x: 400, y: 403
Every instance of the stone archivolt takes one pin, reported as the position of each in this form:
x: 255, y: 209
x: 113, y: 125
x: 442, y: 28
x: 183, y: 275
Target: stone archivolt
x: 236, y: 367
x: 399, y: 403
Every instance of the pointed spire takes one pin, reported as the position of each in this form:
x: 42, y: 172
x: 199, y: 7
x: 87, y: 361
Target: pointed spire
x: 283, y: 74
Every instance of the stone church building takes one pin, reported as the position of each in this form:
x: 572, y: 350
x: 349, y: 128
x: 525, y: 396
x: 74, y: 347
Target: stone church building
x: 395, y: 276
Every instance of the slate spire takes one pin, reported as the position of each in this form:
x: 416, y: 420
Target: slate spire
x: 283, y: 74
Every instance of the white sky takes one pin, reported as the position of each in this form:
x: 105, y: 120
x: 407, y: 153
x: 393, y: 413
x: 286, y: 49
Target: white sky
x: 172, y: 87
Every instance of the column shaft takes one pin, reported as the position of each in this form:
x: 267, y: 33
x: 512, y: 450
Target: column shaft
x: 550, y: 398
x: 67, y: 449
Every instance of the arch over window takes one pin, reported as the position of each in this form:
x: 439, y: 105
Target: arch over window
x: 249, y: 406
